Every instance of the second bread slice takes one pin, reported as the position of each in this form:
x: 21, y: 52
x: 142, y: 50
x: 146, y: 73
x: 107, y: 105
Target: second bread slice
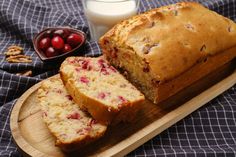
x: 72, y: 127
x: 100, y: 89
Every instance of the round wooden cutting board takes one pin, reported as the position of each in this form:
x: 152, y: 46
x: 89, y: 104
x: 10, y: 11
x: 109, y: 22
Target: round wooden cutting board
x: 33, y: 138
x: 28, y: 129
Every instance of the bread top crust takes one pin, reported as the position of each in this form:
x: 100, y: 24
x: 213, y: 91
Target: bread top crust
x: 171, y: 39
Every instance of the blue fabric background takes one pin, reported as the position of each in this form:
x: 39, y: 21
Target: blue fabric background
x: 210, y: 131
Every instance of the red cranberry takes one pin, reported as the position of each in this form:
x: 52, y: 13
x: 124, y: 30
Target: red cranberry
x: 112, y: 69
x: 69, y: 97
x: 85, y: 65
x: 101, y: 95
x: 77, y: 69
x: 74, y: 116
x: 66, y: 48
x: 101, y: 61
x: 51, y: 52
x: 48, y: 33
x: 93, y: 121
x: 104, y: 71
x: 44, y: 43
x: 84, y: 79
x: 87, y: 129
x: 64, y: 33
x: 122, y: 99
x: 74, y: 40
x: 57, y: 42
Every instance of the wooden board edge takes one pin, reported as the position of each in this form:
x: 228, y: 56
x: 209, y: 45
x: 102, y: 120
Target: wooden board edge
x: 155, y: 128
x: 25, y: 148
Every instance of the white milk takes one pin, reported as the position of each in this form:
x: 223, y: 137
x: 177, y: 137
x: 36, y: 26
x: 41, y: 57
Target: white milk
x: 103, y: 15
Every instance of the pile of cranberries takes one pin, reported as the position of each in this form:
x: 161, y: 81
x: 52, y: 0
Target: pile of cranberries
x: 56, y: 42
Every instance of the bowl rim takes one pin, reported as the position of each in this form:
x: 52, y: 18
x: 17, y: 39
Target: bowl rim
x: 39, y: 34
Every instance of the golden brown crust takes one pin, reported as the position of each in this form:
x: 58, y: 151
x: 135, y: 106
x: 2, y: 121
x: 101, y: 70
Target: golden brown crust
x: 197, y: 72
x: 172, y: 38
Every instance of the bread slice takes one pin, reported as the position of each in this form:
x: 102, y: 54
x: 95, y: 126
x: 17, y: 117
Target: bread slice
x: 100, y: 89
x: 166, y: 49
x: 72, y: 127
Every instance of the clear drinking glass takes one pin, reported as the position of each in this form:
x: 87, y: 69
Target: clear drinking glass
x: 103, y: 14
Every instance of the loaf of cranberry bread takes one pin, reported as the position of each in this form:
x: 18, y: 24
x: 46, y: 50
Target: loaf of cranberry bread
x: 72, y: 127
x: 100, y: 89
x: 166, y: 49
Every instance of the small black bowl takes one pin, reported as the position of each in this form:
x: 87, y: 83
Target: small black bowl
x: 60, y: 57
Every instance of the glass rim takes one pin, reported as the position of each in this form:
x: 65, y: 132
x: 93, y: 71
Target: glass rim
x: 113, y: 1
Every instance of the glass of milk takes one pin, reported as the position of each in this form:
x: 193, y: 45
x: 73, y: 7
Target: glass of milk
x: 103, y: 14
